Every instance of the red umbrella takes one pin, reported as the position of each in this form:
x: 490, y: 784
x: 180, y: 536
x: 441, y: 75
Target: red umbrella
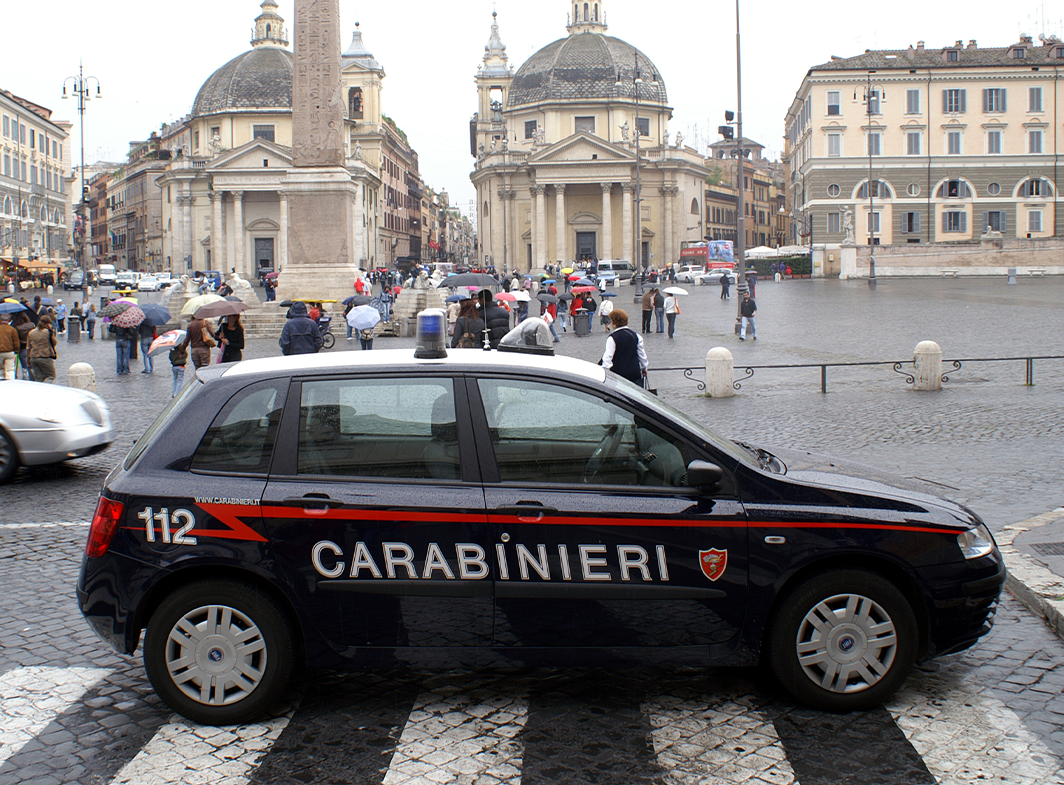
x: 131, y: 317
x: 505, y: 296
x: 582, y: 289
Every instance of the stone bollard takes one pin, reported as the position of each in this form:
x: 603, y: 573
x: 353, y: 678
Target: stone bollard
x: 720, y: 373
x: 1012, y: 276
x: 50, y: 290
x: 927, y: 361
x: 82, y: 376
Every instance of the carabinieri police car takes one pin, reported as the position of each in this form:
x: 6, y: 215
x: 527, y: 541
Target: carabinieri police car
x: 324, y: 511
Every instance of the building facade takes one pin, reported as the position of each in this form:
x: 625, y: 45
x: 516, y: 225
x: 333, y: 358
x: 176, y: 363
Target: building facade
x: 134, y: 208
x: 573, y: 155
x: 35, y: 212
x: 924, y: 145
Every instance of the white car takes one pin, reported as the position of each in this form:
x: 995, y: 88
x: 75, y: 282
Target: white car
x: 714, y: 276
x: 690, y: 273
x: 149, y: 283
x: 46, y: 423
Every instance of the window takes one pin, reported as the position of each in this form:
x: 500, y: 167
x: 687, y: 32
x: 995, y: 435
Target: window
x: 993, y: 142
x: 873, y: 222
x: 834, y: 223
x: 875, y: 143
x: 834, y: 145
x: 1019, y: 53
x: 994, y: 189
x: 33, y: 139
x: 7, y: 126
x: 598, y: 442
x: 953, y: 55
x: 1034, y: 142
x: 354, y: 103
x: 834, y: 190
x: 530, y: 129
x: 195, y: 140
x: 912, y: 223
x: 1034, y: 221
x: 954, y: 101
x: 642, y: 126
x: 954, y: 189
x: 913, y: 189
x: 54, y: 150
x: 912, y: 102
x: 879, y: 190
x: 1035, y: 187
x: 586, y: 124
x: 834, y: 103
x: 263, y: 132
x: 1034, y: 99
x: 994, y: 100
x: 913, y: 143
x: 995, y: 221
x: 954, y: 221
x: 241, y: 438
x: 953, y: 143
x: 401, y: 428
x: 873, y: 102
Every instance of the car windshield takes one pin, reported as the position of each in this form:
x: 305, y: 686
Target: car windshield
x: 176, y: 403
x: 712, y: 439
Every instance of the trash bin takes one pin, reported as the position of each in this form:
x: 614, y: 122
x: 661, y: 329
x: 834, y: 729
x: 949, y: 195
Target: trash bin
x: 73, y: 330
x: 582, y: 322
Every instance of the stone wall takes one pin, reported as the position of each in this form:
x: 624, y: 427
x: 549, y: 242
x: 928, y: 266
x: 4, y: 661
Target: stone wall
x: 989, y: 257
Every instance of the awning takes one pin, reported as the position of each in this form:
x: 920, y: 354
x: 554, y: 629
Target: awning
x: 39, y: 264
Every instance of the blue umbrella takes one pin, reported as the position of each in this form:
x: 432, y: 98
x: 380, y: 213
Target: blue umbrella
x: 549, y: 280
x: 584, y: 282
x: 609, y: 294
x: 456, y: 298
x: 47, y: 301
x: 12, y: 308
x: 155, y: 315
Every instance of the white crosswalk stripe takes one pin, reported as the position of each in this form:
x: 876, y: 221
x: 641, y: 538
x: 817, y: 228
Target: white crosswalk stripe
x: 181, y: 752
x: 31, y: 698
x: 460, y: 736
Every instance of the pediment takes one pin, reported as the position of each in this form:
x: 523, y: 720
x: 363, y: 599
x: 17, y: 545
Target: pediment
x: 582, y: 146
x: 264, y: 225
x: 251, y: 156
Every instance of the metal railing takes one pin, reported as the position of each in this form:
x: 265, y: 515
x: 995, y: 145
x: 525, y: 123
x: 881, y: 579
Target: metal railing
x: 905, y: 368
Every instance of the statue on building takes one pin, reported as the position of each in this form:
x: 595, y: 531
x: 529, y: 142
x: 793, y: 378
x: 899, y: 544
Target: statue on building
x: 480, y: 151
x: 539, y: 138
x: 358, y: 151
x: 216, y: 145
x: 665, y: 139
x: 625, y: 129
x: 679, y: 141
x: 847, y: 226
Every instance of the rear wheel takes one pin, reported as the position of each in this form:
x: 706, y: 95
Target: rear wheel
x: 328, y: 340
x: 843, y: 641
x: 8, y: 457
x: 219, y: 652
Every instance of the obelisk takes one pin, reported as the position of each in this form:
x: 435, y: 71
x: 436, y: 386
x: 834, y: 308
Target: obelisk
x: 319, y: 191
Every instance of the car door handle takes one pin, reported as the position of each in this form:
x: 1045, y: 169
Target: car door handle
x: 313, y: 501
x: 526, y: 510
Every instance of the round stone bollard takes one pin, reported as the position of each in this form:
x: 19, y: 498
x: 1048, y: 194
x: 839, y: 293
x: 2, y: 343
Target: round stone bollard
x: 50, y: 289
x: 720, y: 373
x: 82, y: 376
x: 927, y: 361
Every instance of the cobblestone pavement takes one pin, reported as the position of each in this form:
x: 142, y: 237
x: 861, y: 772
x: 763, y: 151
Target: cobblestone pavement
x: 72, y: 712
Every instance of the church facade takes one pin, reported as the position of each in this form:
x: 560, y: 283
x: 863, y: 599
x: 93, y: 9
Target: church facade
x: 573, y: 154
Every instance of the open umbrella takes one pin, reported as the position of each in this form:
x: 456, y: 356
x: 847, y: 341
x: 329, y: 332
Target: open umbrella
x: 566, y: 296
x: 357, y: 299
x: 677, y: 290
x: 522, y: 296
x: 548, y: 280
x: 113, y: 309
x: 363, y: 317
x: 468, y: 279
x: 47, y: 301
x: 575, y: 276
x: 567, y: 271
x: 10, y: 307
x: 166, y: 342
x: 543, y: 297
x: 222, y: 308
x: 584, y: 282
x: 509, y: 297
x: 609, y: 294
x: 131, y: 317
x: 155, y: 315
x: 130, y: 300
x: 457, y: 298
x: 583, y: 289
x: 198, y: 302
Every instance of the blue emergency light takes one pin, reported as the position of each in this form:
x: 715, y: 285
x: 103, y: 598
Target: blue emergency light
x: 431, y: 334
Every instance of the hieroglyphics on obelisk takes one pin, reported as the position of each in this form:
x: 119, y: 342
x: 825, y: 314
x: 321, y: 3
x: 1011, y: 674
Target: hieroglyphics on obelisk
x: 319, y: 192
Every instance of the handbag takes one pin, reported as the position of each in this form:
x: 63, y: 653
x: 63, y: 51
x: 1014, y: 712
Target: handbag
x: 647, y: 387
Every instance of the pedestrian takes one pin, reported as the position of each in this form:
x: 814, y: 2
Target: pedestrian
x: 300, y: 334
x: 76, y: 318
x: 40, y: 349
x: 124, y: 338
x: 725, y: 285
x: 468, y: 327
x: 776, y: 272
x: 146, y: 332
x: 625, y: 354
x: 61, y: 316
x: 9, y: 346
x: 672, y: 310
x: 748, y: 310
x: 751, y: 281
x: 496, y: 320
x: 659, y: 310
x: 199, y: 343
x: 24, y: 326
x: 271, y: 289
x: 90, y: 320
x: 648, y: 308
x: 604, y: 313
x: 178, y: 360
x: 231, y: 339
x: 365, y: 339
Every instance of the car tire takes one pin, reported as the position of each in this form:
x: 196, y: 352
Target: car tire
x: 219, y: 652
x: 843, y: 641
x: 8, y: 457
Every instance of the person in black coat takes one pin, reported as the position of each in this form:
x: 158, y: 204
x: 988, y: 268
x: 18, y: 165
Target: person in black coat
x: 468, y: 327
x: 495, y: 316
x: 231, y: 339
x: 624, y: 354
x: 300, y: 335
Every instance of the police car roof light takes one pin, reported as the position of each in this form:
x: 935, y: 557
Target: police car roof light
x: 531, y: 336
x: 431, y: 334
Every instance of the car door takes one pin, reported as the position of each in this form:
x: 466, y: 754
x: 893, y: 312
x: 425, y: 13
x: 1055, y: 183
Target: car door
x: 376, y: 512
x: 599, y: 541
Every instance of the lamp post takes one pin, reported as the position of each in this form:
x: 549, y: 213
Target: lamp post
x: 740, y: 157
x: 871, y: 191
x: 639, y: 262
x: 81, y: 88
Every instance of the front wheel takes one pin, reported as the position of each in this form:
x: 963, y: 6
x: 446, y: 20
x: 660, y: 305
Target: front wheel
x: 328, y: 340
x: 219, y: 652
x: 843, y: 641
x: 8, y: 457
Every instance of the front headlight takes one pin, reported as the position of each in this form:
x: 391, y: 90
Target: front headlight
x: 976, y: 543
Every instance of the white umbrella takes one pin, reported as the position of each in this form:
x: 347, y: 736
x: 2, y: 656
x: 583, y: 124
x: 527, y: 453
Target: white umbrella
x: 677, y: 290
x: 364, y: 317
x: 522, y: 296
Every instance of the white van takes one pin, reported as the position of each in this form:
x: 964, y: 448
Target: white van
x: 615, y: 267
x: 107, y: 275
x: 127, y: 279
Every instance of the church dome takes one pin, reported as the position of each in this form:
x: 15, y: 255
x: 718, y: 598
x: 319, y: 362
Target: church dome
x: 585, y: 67
x: 256, y: 80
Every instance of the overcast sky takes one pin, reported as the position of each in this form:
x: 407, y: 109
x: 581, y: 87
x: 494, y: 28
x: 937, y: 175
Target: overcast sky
x: 151, y: 58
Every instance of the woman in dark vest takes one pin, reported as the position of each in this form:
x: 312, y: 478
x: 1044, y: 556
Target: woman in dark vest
x: 625, y: 355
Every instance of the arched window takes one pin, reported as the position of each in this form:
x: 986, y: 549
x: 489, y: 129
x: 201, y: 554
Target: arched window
x: 44, y: 216
x: 596, y: 12
x: 268, y: 29
x: 694, y: 207
x: 880, y: 190
x: 1035, y: 186
x: 25, y: 211
x: 8, y: 209
x: 354, y: 103
x: 587, y: 13
x: 955, y: 189
x: 486, y: 211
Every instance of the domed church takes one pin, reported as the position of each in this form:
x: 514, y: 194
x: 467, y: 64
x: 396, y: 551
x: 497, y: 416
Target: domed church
x: 573, y: 154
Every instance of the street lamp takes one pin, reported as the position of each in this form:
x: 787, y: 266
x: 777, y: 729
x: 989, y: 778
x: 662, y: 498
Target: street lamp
x: 81, y: 88
x: 637, y: 234
x: 739, y: 153
x: 869, y: 95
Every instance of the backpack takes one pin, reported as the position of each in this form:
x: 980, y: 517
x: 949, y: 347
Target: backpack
x: 178, y: 356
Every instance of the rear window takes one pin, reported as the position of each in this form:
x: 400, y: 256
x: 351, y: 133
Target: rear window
x: 175, y: 405
x: 241, y: 438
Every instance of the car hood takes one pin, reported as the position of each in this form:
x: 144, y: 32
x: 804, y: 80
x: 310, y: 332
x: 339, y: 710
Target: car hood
x: 850, y: 476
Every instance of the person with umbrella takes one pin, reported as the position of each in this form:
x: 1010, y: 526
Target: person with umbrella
x: 672, y: 310
x: 496, y: 319
x: 199, y: 342
x: 147, y: 334
x: 364, y: 318
x: 231, y: 338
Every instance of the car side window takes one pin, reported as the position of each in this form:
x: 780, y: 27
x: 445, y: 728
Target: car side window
x: 558, y: 435
x: 399, y: 428
x: 241, y: 438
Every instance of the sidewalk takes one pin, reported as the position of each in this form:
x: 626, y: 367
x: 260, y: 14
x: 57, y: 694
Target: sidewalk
x: 1034, y: 556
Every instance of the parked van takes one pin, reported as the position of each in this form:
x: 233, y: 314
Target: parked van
x: 127, y: 279
x: 619, y: 268
x: 107, y: 275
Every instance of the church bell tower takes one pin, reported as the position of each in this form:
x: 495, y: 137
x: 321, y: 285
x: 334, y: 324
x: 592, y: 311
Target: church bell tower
x: 494, y: 77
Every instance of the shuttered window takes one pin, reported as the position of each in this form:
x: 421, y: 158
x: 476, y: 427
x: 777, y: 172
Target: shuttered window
x: 954, y: 221
x: 954, y: 101
x: 995, y: 100
x: 996, y: 220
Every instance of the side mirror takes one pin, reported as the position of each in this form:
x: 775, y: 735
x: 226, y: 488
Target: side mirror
x: 704, y: 475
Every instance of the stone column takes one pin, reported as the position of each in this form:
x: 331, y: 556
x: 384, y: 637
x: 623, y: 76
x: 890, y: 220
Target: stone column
x: 240, y: 240
x: 360, y: 224
x: 629, y: 229
x: 282, y: 241
x: 539, y: 227
x: 562, y: 226
x: 217, y: 240
x: 607, y: 220
x: 179, y: 234
x: 668, y: 196
x: 189, y: 231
